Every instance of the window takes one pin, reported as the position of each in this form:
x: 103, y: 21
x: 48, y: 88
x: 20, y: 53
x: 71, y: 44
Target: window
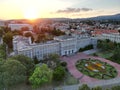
x: 72, y: 51
x: 65, y: 52
x: 69, y: 52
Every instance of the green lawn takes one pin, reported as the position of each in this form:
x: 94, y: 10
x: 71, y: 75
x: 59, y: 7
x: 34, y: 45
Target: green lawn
x: 105, y: 54
x: 70, y: 80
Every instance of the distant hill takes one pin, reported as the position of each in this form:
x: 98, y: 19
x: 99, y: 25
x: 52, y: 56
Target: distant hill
x: 106, y: 17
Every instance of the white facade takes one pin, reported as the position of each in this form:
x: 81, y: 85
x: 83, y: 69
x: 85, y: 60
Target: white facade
x: 19, y: 26
x: 2, y: 23
x: 112, y: 37
x: 67, y: 44
x: 62, y: 45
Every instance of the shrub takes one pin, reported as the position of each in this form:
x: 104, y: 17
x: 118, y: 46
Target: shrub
x: 84, y: 87
x: 36, y: 61
x: 59, y: 73
x: 64, y: 64
x: 81, y: 49
x: 97, y: 88
x: 94, y: 54
x: 116, y: 88
x: 88, y: 47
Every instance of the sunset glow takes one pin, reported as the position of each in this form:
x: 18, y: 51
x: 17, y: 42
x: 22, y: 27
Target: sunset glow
x: 31, y: 14
x: 32, y: 9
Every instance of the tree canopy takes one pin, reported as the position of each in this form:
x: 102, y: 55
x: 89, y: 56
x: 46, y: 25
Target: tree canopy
x: 8, y: 39
x: 27, y: 62
x: 2, y: 51
x: 12, y: 73
x: 1, y: 31
x: 42, y: 74
x: 59, y: 73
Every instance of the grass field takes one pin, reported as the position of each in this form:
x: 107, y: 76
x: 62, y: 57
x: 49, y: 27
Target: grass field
x: 104, y: 54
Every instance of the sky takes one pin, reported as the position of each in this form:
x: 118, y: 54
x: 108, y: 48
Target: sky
x: 31, y: 9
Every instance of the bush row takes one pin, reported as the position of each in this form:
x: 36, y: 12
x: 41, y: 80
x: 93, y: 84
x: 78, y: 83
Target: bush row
x: 88, y: 47
x: 86, y: 87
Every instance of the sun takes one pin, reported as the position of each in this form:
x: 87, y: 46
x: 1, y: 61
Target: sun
x: 31, y: 14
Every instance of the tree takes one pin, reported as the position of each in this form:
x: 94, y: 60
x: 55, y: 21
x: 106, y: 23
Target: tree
x: 99, y: 43
x: 12, y: 73
x: 64, y: 64
x: 2, y: 51
x: 84, y: 87
x: 105, y: 44
x: 1, y: 74
x: 28, y: 34
x: 119, y: 31
x: 116, y: 88
x: 116, y: 55
x: 41, y: 38
x: 52, y: 60
x: 97, y: 88
x: 7, y: 29
x: 59, y: 73
x: 24, y: 29
x: 1, y: 31
x: 16, y: 32
x: 36, y: 29
x: 35, y: 60
x: 27, y: 62
x: 42, y: 74
x: 57, y: 32
x: 8, y: 39
x: 2, y: 54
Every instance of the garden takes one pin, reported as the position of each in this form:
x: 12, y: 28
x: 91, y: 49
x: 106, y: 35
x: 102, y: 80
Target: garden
x: 96, y: 69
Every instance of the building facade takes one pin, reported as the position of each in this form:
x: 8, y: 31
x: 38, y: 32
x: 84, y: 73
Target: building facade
x: 20, y: 26
x: 112, y: 37
x: 61, y: 45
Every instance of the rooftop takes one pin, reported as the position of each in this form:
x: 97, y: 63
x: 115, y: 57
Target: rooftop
x: 64, y: 37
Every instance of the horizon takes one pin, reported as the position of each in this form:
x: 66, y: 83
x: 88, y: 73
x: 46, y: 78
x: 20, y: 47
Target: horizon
x: 56, y: 18
x: 13, y: 9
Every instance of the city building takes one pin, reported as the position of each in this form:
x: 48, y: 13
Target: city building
x: 20, y: 26
x: 61, y: 45
x: 2, y: 24
x: 113, y: 37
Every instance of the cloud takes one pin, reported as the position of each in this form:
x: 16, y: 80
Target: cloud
x: 73, y: 10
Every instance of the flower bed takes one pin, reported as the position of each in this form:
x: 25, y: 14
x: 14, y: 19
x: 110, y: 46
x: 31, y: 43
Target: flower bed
x: 96, y: 69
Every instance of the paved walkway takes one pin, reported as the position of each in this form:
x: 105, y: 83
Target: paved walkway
x: 71, y: 60
x: 104, y: 84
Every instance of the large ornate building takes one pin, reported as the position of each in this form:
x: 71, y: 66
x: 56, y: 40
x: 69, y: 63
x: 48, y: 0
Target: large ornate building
x: 61, y: 45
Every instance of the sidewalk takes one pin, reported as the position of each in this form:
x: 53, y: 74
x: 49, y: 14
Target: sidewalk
x: 104, y: 84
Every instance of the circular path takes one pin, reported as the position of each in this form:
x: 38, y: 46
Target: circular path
x: 71, y: 60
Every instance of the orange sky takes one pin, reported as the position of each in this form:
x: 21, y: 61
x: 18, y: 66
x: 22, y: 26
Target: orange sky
x: 18, y: 9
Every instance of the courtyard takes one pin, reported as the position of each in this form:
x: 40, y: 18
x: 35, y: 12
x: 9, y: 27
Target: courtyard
x: 83, y: 78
